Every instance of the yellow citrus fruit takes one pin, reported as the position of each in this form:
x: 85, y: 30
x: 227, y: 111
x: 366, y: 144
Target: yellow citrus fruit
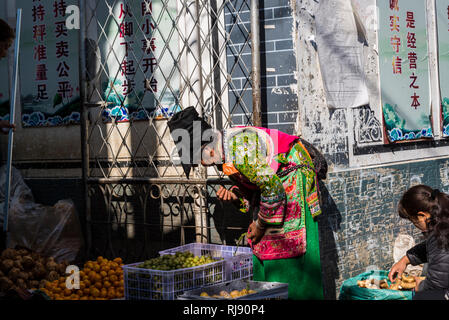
x: 113, y: 278
x: 67, y: 292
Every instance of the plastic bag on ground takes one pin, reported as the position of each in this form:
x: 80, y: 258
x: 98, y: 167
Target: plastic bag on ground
x: 402, y: 244
x: 52, y: 231
x: 351, y: 291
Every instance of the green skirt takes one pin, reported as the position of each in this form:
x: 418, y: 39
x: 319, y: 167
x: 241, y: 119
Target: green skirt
x: 303, y: 274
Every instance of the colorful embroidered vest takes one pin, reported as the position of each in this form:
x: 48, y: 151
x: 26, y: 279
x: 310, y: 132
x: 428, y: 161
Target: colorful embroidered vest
x: 290, y: 239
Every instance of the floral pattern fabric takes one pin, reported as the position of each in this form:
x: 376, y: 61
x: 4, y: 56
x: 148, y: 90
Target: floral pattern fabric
x: 282, y: 199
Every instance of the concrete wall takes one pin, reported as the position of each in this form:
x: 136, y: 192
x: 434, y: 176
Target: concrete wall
x: 366, y: 177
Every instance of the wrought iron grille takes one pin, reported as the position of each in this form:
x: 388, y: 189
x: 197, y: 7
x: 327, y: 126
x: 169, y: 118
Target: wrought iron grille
x: 142, y: 60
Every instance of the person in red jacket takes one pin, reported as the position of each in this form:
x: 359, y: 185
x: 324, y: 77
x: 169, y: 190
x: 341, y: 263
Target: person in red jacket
x: 6, y: 40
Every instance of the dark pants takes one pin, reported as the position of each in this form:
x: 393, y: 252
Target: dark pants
x: 432, y: 295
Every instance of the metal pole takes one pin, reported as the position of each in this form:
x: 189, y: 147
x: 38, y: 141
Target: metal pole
x: 199, y: 207
x: 84, y: 125
x: 12, y: 113
x: 255, y: 63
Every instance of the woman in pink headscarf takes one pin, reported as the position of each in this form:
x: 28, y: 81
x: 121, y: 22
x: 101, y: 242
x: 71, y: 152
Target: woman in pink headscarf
x: 275, y: 179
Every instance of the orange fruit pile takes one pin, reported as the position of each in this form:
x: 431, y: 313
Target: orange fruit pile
x: 101, y: 279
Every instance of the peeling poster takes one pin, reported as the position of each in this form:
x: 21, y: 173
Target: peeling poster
x: 340, y: 54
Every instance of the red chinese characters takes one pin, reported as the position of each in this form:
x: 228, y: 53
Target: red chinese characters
x: 413, y: 58
x: 410, y: 20
x: 394, y: 5
x: 395, y: 40
x: 149, y: 62
x: 394, y: 23
x: 397, y: 65
x: 65, y: 89
x: 39, y: 30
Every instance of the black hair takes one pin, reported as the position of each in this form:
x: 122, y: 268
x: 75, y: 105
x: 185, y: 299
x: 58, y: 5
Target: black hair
x: 422, y: 198
x: 6, y: 32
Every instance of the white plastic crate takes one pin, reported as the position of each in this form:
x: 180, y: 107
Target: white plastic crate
x: 146, y: 284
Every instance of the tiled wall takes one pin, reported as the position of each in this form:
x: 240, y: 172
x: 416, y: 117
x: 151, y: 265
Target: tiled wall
x: 278, y: 64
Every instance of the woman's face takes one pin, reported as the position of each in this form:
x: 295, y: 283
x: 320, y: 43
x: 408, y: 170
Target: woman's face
x: 421, y: 221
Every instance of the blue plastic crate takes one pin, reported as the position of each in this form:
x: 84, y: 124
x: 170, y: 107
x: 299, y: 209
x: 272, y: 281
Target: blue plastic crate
x: 146, y: 284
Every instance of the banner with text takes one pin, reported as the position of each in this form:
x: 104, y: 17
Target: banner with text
x: 404, y: 69
x: 49, y: 64
x: 138, y: 46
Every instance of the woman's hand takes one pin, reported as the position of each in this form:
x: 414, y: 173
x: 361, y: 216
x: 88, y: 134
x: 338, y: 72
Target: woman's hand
x: 225, y: 195
x: 398, y: 268
x: 256, y: 232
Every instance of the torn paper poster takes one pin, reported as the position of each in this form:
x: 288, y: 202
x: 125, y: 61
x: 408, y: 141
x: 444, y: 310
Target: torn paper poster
x: 340, y: 52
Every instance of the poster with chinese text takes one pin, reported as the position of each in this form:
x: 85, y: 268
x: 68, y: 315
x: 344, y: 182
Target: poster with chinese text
x: 49, y: 64
x: 139, y: 51
x: 442, y: 15
x: 404, y: 70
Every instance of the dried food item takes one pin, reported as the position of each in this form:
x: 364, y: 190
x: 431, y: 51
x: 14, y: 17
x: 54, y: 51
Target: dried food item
x: 27, y: 262
x: 225, y: 294
x: 23, y: 275
x: 8, y: 254
x: 229, y: 295
x: 52, y: 276
x: 6, y: 265
x: 30, y: 267
x: 21, y: 283
x: 407, y: 285
x: 384, y: 284
x: 22, y: 252
x: 18, y: 264
x: 369, y: 284
x: 51, y: 265
x: 39, y: 271
x: 405, y: 282
x: 235, y: 294
x: 34, y: 284
x: 5, y: 284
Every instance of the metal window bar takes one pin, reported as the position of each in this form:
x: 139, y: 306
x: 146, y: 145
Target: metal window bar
x: 137, y: 200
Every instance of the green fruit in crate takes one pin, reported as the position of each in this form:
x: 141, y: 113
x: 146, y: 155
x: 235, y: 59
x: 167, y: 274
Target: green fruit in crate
x: 179, y: 260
